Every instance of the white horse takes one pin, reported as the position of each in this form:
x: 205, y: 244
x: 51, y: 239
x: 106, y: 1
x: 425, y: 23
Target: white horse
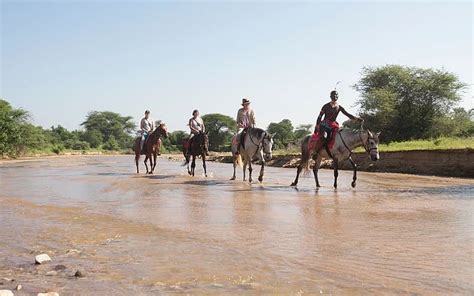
x: 257, y: 145
x: 346, y: 141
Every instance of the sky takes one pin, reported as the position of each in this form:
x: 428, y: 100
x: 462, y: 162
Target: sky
x: 61, y: 60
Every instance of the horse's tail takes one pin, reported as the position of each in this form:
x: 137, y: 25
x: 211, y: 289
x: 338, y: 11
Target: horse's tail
x: 238, y: 159
x: 305, y: 155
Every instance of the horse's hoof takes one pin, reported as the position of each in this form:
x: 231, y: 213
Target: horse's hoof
x: 232, y: 179
x: 260, y: 179
x: 205, y: 176
x: 293, y: 184
x: 353, y: 184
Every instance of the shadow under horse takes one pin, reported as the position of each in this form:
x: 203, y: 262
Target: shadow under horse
x: 198, y: 146
x: 150, y: 148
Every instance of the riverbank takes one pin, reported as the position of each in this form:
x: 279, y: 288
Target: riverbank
x: 447, y: 163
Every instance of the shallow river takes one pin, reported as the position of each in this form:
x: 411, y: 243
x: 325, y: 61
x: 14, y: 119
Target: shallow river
x: 170, y: 233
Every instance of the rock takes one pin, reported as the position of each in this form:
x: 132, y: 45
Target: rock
x: 43, y: 258
x: 19, y: 287
x: 72, y: 252
x: 48, y: 294
x: 52, y: 273
x: 79, y: 274
x: 60, y: 267
x: 6, y: 293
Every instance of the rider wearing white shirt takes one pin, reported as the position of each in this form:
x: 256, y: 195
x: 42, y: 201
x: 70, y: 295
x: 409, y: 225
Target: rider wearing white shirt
x: 147, y: 126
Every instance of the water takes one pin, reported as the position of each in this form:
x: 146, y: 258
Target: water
x: 170, y: 233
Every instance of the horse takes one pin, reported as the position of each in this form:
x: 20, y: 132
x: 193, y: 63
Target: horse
x: 257, y: 144
x: 346, y: 141
x: 151, y: 146
x: 198, y: 147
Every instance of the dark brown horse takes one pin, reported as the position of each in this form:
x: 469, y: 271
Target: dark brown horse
x: 151, y: 147
x: 198, y: 147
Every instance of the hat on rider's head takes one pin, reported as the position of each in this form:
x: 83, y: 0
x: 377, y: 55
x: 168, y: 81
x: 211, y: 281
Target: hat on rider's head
x: 245, y: 101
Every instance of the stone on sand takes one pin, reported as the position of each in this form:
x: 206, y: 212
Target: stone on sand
x: 48, y: 294
x: 6, y: 293
x: 43, y: 258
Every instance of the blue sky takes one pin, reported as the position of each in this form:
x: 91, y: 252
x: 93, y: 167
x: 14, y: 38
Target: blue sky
x: 60, y: 60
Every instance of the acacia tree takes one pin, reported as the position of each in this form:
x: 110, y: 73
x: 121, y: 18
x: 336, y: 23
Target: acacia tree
x: 407, y: 102
x: 283, y: 133
x: 221, y: 129
x: 110, y: 124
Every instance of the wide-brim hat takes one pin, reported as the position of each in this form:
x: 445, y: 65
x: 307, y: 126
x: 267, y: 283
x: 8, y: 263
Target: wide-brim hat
x: 245, y: 101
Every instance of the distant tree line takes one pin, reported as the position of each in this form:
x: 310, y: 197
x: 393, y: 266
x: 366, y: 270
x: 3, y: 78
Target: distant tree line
x: 405, y: 103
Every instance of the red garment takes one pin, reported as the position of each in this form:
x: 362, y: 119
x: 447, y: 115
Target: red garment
x: 334, y: 125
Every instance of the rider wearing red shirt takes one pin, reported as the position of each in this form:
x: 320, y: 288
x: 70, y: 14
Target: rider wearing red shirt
x: 330, y: 111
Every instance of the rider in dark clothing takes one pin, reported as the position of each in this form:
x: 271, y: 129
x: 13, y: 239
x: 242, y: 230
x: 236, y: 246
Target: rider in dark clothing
x: 330, y: 111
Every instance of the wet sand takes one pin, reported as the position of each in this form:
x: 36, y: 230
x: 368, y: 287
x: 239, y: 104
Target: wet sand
x: 170, y: 233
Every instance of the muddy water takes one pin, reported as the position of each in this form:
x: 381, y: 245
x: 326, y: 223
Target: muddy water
x: 170, y: 233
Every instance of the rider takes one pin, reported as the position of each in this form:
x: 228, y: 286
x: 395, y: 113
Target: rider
x: 147, y: 125
x: 196, y: 126
x: 245, y: 119
x: 325, y: 127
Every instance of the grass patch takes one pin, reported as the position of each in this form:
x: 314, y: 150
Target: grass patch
x: 443, y: 143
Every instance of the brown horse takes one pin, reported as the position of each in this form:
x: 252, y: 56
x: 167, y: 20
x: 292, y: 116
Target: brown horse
x: 152, y: 146
x: 198, y: 147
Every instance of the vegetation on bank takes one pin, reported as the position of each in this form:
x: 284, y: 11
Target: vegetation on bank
x: 414, y: 108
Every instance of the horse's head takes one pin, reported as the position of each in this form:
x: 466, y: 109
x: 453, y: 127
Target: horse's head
x: 163, y: 130
x: 267, y: 146
x: 371, y: 145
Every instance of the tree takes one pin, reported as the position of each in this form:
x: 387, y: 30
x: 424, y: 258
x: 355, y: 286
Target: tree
x: 12, y: 122
x: 405, y: 102
x: 93, y: 137
x: 283, y: 133
x: 111, y: 144
x: 221, y: 129
x: 111, y: 124
x: 302, y: 131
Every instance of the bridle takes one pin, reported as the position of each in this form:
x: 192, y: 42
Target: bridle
x: 366, y: 145
x: 260, y: 144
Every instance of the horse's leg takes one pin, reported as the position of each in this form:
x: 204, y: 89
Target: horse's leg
x: 354, y: 177
x: 244, y: 169
x: 150, y: 158
x: 250, y: 171
x: 336, y: 172
x: 204, y: 164
x: 154, y: 160
x: 304, y: 160
x: 260, y: 177
x: 317, y: 164
x: 137, y: 157
x: 193, y: 165
x: 234, y: 160
x: 146, y: 165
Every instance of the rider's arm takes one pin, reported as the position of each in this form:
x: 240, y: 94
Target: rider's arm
x: 318, y: 121
x: 252, y: 118
x: 203, y: 126
x: 142, y: 125
x: 239, y: 119
x: 348, y: 114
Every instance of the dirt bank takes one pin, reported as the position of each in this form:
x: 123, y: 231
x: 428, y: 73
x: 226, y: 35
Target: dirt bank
x: 451, y: 163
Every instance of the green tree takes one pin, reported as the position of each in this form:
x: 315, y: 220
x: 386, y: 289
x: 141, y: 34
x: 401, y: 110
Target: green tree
x: 221, y: 128
x: 111, y: 124
x: 93, y: 137
x: 283, y: 133
x: 12, y: 123
x: 111, y: 144
x: 302, y: 131
x: 405, y: 102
